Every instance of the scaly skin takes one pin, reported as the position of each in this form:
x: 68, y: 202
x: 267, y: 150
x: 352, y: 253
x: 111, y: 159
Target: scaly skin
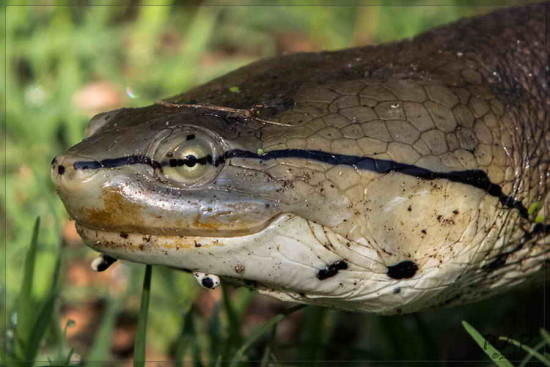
x: 385, y: 179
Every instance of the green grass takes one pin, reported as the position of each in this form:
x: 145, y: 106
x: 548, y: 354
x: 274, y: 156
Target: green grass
x: 32, y: 316
x: 500, y: 359
x: 487, y: 347
x: 141, y: 336
x: 145, y: 54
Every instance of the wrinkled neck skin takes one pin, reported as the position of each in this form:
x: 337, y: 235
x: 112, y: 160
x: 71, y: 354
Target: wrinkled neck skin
x: 386, y: 179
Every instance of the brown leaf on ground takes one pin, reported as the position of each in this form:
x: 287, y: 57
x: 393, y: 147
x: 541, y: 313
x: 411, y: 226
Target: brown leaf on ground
x: 99, y: 96
x: 213, y: 57
x: 70, y: 236
x: 290, y: 42
x: 80, y: 274
x: 206, y: 301
x: 86, y: 317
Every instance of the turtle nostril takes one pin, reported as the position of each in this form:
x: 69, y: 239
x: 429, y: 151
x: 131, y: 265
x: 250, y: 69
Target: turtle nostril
x: 65, y: 175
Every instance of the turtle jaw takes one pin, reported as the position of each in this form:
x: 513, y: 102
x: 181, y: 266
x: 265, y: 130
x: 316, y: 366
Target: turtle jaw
x: 242, y: 256
x: 279, y: 256
x: 129, y: 245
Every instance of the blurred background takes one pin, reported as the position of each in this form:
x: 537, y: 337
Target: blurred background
x: 66, y: 63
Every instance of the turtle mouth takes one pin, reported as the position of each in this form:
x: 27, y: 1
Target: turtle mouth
x: 117, y: 241
x: 118, y: 205
x: 219, y: 255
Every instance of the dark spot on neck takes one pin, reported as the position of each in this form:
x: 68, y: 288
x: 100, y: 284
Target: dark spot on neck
x: 61, y: 169
x: 402, y: 270
x: 207, y: 282
x: 123, y: 235
x: 190, y: 137
x: 106, y: 262
x: 332, y: 269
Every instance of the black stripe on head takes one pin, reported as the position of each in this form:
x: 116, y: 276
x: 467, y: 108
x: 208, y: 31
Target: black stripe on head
x: 189, y: 161
x: 475, y: 178
x: 116, y: 162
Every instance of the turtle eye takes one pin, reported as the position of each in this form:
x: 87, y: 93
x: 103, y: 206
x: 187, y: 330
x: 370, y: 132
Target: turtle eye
x: 188, y: 160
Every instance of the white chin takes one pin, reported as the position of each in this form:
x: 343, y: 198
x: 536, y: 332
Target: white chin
x: 282, y: 261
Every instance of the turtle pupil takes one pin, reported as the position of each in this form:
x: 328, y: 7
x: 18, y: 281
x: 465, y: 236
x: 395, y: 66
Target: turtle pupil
x: 190, y: 161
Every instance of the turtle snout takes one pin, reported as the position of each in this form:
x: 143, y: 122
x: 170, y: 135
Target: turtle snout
x: 66, y: 176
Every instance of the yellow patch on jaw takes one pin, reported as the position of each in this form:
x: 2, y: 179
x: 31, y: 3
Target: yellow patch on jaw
x: 116, y: 210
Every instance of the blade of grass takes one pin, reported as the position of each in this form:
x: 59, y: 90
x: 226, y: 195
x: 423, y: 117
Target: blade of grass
x: 257, y: 334
x: 61, y: 336
x: 47, y: 311
x: 495, y: 356
x: 68, y: 359
x: 186, y: 335
x: 269, y: 347
x: 32, y: 325
x: 141, y: 335
x: 192, y: 336
x: 101, y: 348
x: 235, y: 337
x: 314, y: 328
x: 214, y: 331
x: 528, y: 357
x: 196, y: 348
x: 179, y: 352
x: 58, y: 335
x: 43, y: 321
x: 25, y: 301
x: 529, y: 350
